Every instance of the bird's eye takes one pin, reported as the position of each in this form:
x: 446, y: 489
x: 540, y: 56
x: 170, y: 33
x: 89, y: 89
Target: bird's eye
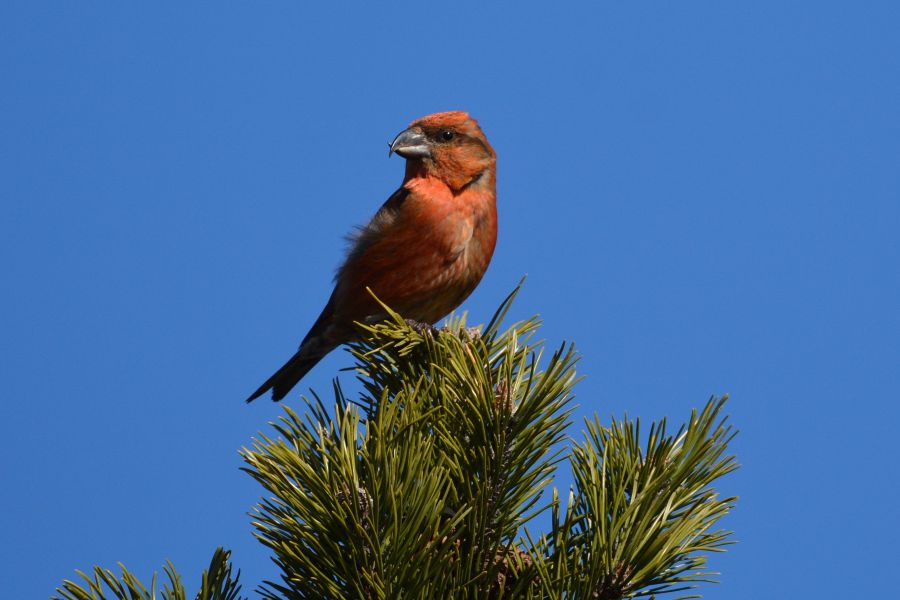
x: 446, y: 135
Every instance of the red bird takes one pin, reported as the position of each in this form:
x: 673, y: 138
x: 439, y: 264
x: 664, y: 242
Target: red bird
x: 423, y: 252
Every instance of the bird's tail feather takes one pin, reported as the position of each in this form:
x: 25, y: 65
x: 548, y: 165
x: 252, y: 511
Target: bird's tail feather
x: 315, y: 345
x: 287, y: 376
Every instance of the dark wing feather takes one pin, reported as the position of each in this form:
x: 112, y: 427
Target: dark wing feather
x: 315, y: 344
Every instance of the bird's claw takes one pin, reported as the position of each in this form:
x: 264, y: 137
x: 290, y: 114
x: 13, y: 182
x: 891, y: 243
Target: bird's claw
x: 423, y: 329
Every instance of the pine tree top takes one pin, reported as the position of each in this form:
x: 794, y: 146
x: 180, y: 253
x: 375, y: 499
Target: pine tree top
x: 425, y: 485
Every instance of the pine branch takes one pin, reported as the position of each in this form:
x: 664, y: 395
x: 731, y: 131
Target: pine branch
x: 640, y: 519
x: 351, y: 519
x: 467, y: 421
x: 216, y: 584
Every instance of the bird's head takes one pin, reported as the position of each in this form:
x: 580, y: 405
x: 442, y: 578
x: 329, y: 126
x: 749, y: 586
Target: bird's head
x: 446, y: 145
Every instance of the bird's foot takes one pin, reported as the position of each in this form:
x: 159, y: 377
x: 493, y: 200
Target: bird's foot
x: 423, y: 329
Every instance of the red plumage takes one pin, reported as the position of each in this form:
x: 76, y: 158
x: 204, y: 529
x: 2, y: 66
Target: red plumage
x: 423, y: 252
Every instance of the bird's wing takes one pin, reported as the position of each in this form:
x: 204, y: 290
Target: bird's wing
x: 406, y: 255
x: 364, y: 236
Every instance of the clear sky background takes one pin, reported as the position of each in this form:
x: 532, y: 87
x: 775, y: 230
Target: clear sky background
x: 705, y: 197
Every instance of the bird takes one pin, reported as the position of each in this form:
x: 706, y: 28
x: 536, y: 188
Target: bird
x: 423, y: 252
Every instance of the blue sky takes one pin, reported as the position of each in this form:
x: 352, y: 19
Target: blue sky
x: 705, y: 197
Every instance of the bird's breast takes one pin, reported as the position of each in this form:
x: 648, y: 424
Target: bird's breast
x: 427, y: 258
x: 466, y: 232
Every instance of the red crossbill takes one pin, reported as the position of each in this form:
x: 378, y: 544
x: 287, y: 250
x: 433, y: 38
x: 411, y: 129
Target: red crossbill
x: 425, y: 249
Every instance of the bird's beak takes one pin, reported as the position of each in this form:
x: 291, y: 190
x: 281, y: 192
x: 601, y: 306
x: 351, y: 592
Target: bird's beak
x: 411, y: 143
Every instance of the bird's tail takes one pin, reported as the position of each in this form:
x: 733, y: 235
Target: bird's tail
x: 287, y: 376
x: 315, y: 345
